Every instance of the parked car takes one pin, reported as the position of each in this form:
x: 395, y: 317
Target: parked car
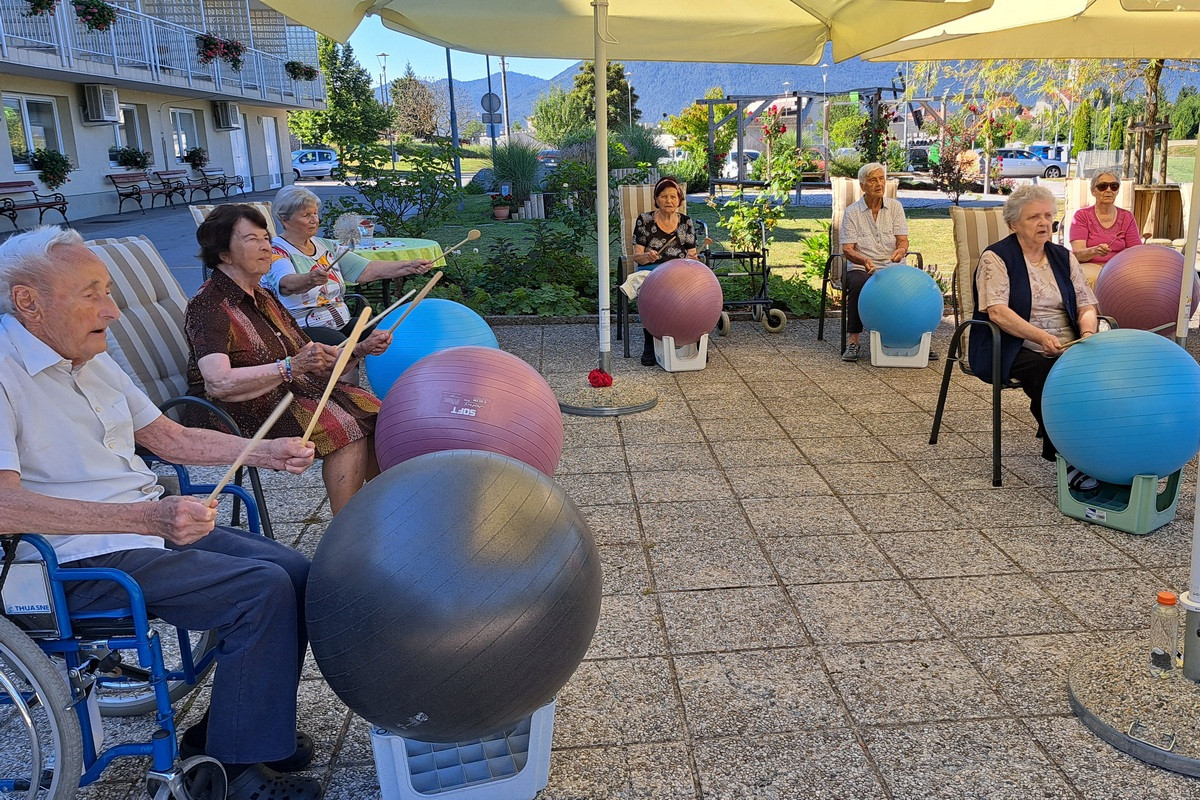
x: 314, y: 163
x: 1025, y: 164
x: 730, y: 169
x: 1050, y: 152
x: 918, y: 159
x: 549, y: 158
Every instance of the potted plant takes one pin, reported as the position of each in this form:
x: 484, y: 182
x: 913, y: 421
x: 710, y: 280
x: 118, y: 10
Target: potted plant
x: 132, y: 158
x: 96, y: 15
x: 39, y: 7
x: 501, y: 205
x: 197, y: 157
x: 210, y: 48
x: 299, y: 71
x: 53, y: 167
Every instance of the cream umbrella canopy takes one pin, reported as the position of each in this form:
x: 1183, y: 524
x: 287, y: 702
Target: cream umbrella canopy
x: 762, y: 32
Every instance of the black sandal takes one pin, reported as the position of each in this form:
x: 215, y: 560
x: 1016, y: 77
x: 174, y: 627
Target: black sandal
x: 263, y: 783
x: 301, y: 758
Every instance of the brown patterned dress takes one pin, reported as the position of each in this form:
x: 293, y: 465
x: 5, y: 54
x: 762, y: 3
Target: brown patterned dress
x: 254, y: 330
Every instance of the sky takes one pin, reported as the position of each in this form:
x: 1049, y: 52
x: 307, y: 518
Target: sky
x: 429, y: 60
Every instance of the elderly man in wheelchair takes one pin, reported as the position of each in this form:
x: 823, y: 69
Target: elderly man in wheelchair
x: 69, y: 423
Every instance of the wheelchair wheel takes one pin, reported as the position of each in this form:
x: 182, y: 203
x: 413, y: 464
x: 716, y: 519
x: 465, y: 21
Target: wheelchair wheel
x: 126, y: 692
x: 723, y: 324
x: 774, y: 321
x: 41, y: 751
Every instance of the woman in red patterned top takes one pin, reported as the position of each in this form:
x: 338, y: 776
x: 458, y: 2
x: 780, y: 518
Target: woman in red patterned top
x: 247, y: 352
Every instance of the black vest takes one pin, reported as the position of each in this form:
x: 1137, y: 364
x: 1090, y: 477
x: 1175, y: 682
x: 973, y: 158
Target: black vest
x: 1020, y: 300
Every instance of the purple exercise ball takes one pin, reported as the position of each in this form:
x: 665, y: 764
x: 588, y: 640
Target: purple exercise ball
x: 470, y: 398
x: 1139, y: 288
x: 681, y: 299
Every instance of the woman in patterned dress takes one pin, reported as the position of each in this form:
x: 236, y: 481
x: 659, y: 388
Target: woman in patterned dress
x: 660, y: 236
x: 247, y: 352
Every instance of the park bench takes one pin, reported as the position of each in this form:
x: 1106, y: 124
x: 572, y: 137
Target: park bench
x: 216, y: 180
x: 137, y: 186
x: 17, y: 196
x: 181, y: 179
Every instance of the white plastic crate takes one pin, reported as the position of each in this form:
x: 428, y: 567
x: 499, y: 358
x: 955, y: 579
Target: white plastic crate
x: 689, y: 358
x: 514, y: 765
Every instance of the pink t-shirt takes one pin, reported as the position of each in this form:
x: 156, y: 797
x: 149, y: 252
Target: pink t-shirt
x: 1123, y: 233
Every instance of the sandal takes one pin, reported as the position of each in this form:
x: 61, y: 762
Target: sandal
x: 301, y: 758
x: 1081, y: 481
x: 263, y: 783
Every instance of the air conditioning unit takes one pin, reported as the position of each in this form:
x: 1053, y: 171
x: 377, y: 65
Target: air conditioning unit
x: 100, y: 103
x: 227, y: 116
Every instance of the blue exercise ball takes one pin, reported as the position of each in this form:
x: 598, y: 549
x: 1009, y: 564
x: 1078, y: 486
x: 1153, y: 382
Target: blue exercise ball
x: 902, y: 303
x: 1124, y: 403
x: 453, y: 596
x: 434, y: 325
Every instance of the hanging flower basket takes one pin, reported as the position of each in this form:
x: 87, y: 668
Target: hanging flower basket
x: 197, y: 158
x: 132, y: 158
x: 211, y: 48
x: 39, y: 7
x: 96, y: 15
x: 299, y: 71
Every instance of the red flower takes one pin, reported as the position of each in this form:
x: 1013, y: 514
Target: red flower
x: 599, y: 378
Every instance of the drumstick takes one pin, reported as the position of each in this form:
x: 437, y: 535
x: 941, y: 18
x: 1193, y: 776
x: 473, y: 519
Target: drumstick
x: 386, y: 311
x: 421, y: 296
x: 258, y: 437
x: 341, y: 251
x: 472, y: 235
x: 338, y: 366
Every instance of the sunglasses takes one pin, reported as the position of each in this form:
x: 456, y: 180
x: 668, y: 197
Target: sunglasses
x: 1108, y: 187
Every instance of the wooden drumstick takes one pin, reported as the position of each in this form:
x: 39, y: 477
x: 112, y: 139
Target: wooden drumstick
x: 472, y: 235
x: 386, y: 311
x: 338, y: 366
x: 258, y: 437
x: 420, y: 296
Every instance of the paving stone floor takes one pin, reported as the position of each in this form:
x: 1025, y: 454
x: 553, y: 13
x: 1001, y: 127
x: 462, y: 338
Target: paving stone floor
x: 802, y: 597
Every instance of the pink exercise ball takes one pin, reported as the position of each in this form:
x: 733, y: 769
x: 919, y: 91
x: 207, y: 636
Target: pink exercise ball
x: 1139, y: 288
x: 470, y: 398
x: 681, y: 299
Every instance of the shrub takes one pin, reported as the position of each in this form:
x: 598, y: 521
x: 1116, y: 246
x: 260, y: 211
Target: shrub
x: 690, y: 172
x: 131, y: 158
x: 406, y: 202
x: 53, y: 167
x: 197, y: 157
x: 641, y: 144
x: 517, y: 165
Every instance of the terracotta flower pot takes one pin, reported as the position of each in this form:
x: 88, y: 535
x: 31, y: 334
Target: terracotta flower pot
x: 501, y: 212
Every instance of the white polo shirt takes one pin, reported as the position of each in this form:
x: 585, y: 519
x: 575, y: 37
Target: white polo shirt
x: 875, y: 238
x: 69, y: 434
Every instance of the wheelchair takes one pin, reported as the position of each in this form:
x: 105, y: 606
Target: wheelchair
x: 60, y: 672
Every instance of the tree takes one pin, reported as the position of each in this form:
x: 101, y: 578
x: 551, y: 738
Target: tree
x: 1185, y: 117
x: 415, y: 105
x: 1082, y: 138
x: 353, y: 116
x: 690, y: 129
x: 472, y: 130
x: 557, y: 115
x: 620, y: 98
x: 845, y: 131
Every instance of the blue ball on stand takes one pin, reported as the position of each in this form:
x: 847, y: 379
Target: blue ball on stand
x: 902, y: 303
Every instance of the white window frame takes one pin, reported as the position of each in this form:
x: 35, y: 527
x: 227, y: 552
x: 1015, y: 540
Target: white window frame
x: 180, y: 148
x: 23, y: 101
x: 131, y: 120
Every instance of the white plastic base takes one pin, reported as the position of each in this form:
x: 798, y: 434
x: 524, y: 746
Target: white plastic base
x: 689, y: 358
x: 514, y: 765
x: 916, y: 356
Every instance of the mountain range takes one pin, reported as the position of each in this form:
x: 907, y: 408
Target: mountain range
x: 667, y: 88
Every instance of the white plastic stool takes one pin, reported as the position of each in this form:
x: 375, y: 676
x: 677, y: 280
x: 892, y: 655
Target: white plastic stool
x: 689, y: 358
x: 916, y: 356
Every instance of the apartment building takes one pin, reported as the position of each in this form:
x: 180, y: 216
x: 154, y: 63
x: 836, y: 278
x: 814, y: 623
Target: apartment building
x: 149, y: 80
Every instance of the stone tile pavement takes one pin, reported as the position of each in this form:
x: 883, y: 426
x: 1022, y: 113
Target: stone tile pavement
x: 803, y: 598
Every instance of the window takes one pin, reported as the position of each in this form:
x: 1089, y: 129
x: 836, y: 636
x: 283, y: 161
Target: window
x: 184, y: 133
x: 32, y: 124
x: 126, y: 133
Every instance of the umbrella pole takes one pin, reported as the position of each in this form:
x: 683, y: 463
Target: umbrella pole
x: 1190, y: 601
x: 600, y: 16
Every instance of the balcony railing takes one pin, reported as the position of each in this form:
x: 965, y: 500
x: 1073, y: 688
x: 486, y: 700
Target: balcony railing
x: 144, y: 48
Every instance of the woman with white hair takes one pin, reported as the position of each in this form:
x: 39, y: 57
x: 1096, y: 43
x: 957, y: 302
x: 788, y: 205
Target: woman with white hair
x: 309, y: 287
x: 874, y: 235
x: 1036, y: 293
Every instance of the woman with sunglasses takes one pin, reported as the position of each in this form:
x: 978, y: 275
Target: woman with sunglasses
x: 1101, y: 231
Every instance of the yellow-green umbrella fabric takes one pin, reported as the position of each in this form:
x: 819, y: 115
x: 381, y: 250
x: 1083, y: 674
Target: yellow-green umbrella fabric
x: 732, y: 31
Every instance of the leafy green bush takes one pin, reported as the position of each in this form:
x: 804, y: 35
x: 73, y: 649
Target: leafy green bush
x: 746, y: 221
x: 845, y: 166
x: 641, y: 144
x: 797, y: 294
x: 690, y: 172
x: 517, y: 165
x: 547, y: 300
x: 406, y: 202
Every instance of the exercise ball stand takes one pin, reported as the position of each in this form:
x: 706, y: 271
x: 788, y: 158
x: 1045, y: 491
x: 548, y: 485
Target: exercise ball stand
x: 916, y: 357
x: 687, y: 358
x: 1138, y: 508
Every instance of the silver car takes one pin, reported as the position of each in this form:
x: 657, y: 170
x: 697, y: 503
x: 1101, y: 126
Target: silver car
x: 1018, y: 163
x: 314, y: 163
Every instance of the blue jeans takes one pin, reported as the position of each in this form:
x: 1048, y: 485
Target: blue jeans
x: 251, y: 590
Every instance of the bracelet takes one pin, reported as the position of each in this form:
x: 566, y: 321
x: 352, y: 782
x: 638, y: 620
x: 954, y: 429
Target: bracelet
x: 287, y: 364
x: 279, y: 365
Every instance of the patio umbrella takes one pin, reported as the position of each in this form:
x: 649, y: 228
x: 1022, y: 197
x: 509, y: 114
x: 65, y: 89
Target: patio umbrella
x: 1099, y: 29
x: 758, y: 32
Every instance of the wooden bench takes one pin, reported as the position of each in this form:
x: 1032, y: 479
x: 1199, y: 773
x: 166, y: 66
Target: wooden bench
x: 137, y: 186
x: 216, y: 180
x: 11, y: 204
x: 181, y: 179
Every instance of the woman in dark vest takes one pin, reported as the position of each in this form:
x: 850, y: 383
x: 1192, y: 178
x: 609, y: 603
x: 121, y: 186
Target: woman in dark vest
x: 1037, y: 294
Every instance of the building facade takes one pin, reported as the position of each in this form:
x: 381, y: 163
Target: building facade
x: 163, y: 77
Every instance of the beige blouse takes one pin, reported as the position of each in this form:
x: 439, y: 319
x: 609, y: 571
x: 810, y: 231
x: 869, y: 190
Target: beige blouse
x: 1048, y: 311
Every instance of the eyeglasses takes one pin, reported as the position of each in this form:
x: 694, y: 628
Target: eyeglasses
x: 1108, y: 187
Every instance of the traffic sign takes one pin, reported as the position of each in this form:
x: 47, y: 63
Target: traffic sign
x: 490, y: 102
x: 492, y: 119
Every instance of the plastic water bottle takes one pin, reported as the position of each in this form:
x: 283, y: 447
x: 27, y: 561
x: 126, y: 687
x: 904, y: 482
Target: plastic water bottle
x: 1164, y: 633
x: 366, y: 231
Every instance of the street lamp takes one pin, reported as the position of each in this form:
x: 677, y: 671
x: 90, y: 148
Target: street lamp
x: 629, y: 95
x: 825, y: 117
x: 383, y: 96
